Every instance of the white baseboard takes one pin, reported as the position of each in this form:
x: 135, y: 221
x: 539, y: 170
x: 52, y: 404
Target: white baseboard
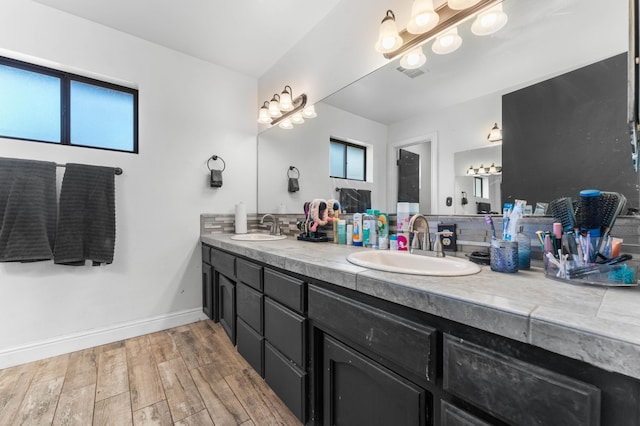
x: 88, y: 339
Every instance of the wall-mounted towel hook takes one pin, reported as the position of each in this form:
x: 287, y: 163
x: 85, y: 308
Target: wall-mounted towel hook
x: 293, y: 181
x: 215, y: 180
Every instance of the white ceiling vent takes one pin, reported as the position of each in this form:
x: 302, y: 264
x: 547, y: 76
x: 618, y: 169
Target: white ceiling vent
x: 411, y: 73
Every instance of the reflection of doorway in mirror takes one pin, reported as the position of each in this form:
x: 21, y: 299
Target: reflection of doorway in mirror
x: 414, y: 174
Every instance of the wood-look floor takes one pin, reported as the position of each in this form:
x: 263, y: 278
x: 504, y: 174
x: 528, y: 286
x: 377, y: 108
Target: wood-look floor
x: 188, y: 375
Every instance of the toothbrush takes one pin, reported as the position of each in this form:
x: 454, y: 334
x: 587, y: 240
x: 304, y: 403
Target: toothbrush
x: 489, y: 221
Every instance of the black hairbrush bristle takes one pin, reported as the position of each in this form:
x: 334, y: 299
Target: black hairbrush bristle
x: 562, y: 210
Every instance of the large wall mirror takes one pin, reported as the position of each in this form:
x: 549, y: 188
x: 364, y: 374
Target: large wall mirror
x: 445, y: 109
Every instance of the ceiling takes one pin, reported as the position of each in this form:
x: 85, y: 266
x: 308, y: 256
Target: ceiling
x: 248, y: 36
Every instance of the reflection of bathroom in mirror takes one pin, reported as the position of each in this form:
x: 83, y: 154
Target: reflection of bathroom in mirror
x: 482, y: 188
x: 452, y: 101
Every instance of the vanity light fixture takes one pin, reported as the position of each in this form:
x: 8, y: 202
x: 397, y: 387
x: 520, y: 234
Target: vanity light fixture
x: 285, y: 110
x: 484, y: 171
x: 495, y: 135
x: 393, y: 44
x: 490, y: 21
x: 414, y: 59
x: 447, y: 42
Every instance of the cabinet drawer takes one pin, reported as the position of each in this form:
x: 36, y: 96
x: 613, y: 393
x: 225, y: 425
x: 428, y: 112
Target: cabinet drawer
x: 249, y: 306
x: 454, y: 416
x: 223, y: 262
x: 287, y: 290
x: 285, y: 330
x: 206, y: 250
x: 287, y: 381
x: 249, y: 273
x: 516, y: 391
x: 250, y: 346
x: 381, y: 332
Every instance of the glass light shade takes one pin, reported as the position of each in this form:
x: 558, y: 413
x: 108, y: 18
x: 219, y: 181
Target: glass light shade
x: 285, y: 124
x: 492, y: 169
x: 274, y: 107
x: 447, y: 42
x: 423, y: 17
x: 489, y: 21
x: 309, y: 112
x: 286, y: 103
x: 471, y: 171
x: 461, y: 4
x: 495, y: 134
x: 413, y: 59
x: 263, y: 115
x: 388, y: 39
x: 297, y: 118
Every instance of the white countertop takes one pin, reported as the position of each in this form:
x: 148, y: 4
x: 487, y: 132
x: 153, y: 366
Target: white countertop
x: 597, y: 325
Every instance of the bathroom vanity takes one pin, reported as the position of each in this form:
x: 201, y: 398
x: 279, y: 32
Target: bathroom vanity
x: 342, y: 344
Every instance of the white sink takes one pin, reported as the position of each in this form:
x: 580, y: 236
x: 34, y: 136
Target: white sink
x: 406, y: 263
x: 258, y: 237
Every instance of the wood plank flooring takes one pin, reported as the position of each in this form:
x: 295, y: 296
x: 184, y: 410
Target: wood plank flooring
x: 189, y: 375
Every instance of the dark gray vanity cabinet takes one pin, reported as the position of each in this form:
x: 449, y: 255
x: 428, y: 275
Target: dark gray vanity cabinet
x: 224, y: 282
x: 285, y: 332
x: 207, y: 285
x: 336, y: 356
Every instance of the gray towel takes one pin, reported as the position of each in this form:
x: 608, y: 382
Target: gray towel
x: 87, y: 222
x: 27, y: 210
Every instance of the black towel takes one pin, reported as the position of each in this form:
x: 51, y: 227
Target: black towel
x: 27, y: 210
x: 364, y: 199
x: 87, y: 222
x: 349, y: 200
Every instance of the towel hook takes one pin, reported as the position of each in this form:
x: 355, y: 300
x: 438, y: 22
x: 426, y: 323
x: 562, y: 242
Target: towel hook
x: 293, y: 168
x: 214, y: 158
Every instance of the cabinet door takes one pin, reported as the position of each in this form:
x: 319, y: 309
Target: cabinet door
x: 227, y: 305
x: 358, y: 391
x: 207, y: 291
x: 515, y: 391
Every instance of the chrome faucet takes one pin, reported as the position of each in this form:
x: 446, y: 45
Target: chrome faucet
x: 424, y: 247
x: 414, y: 234
x: 273, y: 224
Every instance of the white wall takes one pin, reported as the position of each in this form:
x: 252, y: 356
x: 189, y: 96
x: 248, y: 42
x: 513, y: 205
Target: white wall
x: 306, y: 147
x: 189, y: 110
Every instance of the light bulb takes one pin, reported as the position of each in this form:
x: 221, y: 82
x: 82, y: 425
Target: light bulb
x: 413, y: 59
x: 309, y: 112
x: 297, y: 118
x: 274, y: 107
x: 388, y: 38
x: 447, y: 42
x: 285, y: 124
x: 490, y: 21
x: 263, y: 115
x: 423, y: 17
x: 286, y: 103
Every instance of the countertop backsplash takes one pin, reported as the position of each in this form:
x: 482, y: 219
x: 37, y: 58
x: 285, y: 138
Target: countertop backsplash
x: 473, y: 234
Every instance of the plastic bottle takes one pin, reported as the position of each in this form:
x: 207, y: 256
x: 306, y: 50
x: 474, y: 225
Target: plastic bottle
x: 349, y: 234
x: 357, y: 229
x: 336, y: 220
x: 524, y: 250
x: 342, y: 231
x: 369, y: 225
x: 393, y: 242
